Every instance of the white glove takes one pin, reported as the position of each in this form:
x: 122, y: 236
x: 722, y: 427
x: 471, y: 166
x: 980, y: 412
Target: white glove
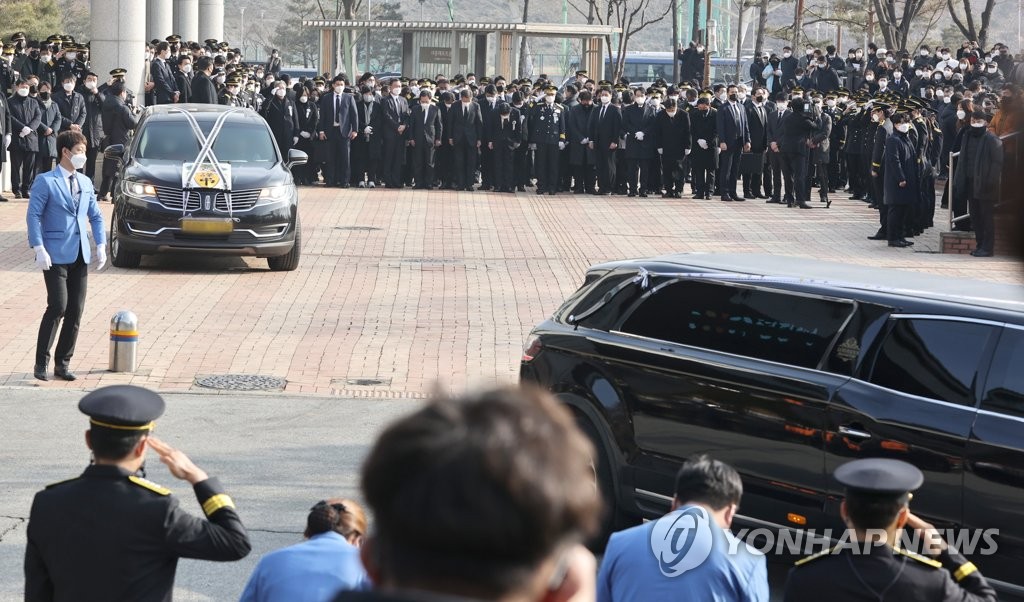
x: 368, y: 130
x: 42, y: 258
x: 702, y: 143
x: 7, y: 141
x: 25, y: 131
x: 304, y: 134
x: 295, y: 139
x: 639, y: 136
x: 661, y: 151
x: 686, y: 152
x: 585, y: 141
x: 561, y: 145
x: 532, y: 146
x: 101, y: 257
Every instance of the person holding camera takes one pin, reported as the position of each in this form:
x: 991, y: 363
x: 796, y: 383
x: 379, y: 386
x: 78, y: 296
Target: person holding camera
x: 794, y: 145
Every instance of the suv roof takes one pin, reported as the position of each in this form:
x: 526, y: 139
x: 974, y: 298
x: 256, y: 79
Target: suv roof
x: 992, y: 295
x: 201, y: 111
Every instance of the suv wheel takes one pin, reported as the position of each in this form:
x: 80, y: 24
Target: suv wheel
x: 289, y: 261
x: 615, y: 518
x: 120, y: 258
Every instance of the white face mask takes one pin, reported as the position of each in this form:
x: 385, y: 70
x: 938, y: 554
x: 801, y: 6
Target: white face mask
x: 90, y: 85
x: 280, y: 92
x: 186, y: 69
x: 674, y: 97
x: 882, y: 84
x: 550, y: 99
x: 606, y: 99
x: 961, y: 114
x: 44, y: 58
x: 396, y: 92
x: 78, y: 161
x: 639, y: 100
x: 786, y: 54
x: 339, y: 89
x: 947, y: 99
x: 924, y: 53
x: 303, y: 99
x: 978, y: 124
x: 72, y: 56
x: 368, y: 97
x: 897, y: 75
x: 830, y: 103
x: 903, y: 128
x: 875, y: 118
x: 220, y: 79
x: 22, y: 92
x: 69, y: 87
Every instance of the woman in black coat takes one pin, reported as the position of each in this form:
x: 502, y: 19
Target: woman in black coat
x: 978, y: 179
x: 283, y: 118
x: 901, y: 179
x: 309, y: 117
x: 672, y: 139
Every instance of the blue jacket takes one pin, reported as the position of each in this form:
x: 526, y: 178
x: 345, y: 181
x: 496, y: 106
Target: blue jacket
x: 316, y: 569
x: 53, y: 223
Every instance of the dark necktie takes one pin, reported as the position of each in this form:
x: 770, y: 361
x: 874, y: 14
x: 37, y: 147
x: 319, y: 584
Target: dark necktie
x: 76, y: 192
x: 603, y: 109
x: 337, y: 109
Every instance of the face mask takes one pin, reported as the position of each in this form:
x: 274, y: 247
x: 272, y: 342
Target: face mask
x: 320, y: 88
x: 782, y: 105
x: 961, y: 115
x: 69, y: 87
x: 978, y: 125
x: 674, y: 97
x: 875, y: 118
x: 903, y: 128
x: 924, y: 53
x: 741, y: 96
x: 946, y: 99
x: 830, y: 103
x: 78, y: 161
x: 692, y: 103
x: 90, y: 85
x: 786, y: 54
x: 303, y: 99
x: 992, y: 69
x: 700, y: 49
x: 44, y: 95
x: 186, y: 69
x: 759, y: 98
x: 550, y: 98
x: 733, y: 97
x: 367, y: 97
x: 220, y: 79
x: 963, y: 66
x: 72, y: 55
x: 896, y: 75
x: 821, y: 65
x: 280, y: 92
x: 639, y: 100
x: 844, y: 98
x: 22, y: 92
x: 339, y: 89
x: 45, y: 58
x: 396, y: 92
x: 869, y: 78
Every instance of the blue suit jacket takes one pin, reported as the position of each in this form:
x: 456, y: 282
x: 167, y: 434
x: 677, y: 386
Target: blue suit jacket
x: 732, y: 127
x: 348, y: 119
x: 52, y: 221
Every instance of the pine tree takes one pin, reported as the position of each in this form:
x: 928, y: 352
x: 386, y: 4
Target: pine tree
x: 298, y: 44
x: 36, y: 18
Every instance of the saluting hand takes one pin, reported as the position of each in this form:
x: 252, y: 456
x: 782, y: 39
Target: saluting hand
x: 932, y: 541
x: 177, y: 462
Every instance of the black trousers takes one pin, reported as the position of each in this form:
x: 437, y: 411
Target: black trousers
x: 548, y: 157
x: 486, y: 166
x: 637, y: 169
x: 523, y: 165
x: 23, y: 170
x: 672, y: 175
x: 896, y: 217
x: 729, y: 168
x: 337, y: 169
x: 443, y: 162
x: 90, y: 161
x: 503, y: 160
x: 391, y: 160
x: 835, y: 165
x: 44, y: 163
x: 363, y: 166
x: 794, y: 165
x: 604, y: 161
x: 773, y: 180
x: 752, y: 183
x: 465, y: 164
x: 423, y: 164
x: 109, y: 178
x: 65, y: 299
x: 584, y: 177
x: 983, y: 220
x: 855, y: 174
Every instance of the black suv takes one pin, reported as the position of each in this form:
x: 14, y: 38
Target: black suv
x: 786, y: 368
x: 205, y: 179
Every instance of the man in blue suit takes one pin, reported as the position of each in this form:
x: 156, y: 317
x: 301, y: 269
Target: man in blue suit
x: 338, y: 123
x: 60, y: 204
x: 733, y: 141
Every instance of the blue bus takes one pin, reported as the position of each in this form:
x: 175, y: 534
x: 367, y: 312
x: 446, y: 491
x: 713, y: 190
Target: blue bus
x: 643, y: 68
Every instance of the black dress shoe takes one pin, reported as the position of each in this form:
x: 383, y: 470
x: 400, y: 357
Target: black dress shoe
x: 707, y: 197
x: 64, y: 374
x: 521, y: 188
x: 899, y: 243
x: 878, y: 236
x: 803, y: 206
x: 643, y: 195
x: 631, y: 194
x: 726, y: 198
x: 40, y: 372
x: 774, y: 201
x: 3, y: 199
x: 981, y: 253
x: 741, y: 198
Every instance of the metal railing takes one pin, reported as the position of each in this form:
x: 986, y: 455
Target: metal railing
x: 949, y: 184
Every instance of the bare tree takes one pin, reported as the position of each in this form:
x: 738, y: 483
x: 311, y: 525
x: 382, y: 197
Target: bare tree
x: 895, y: 18
x: 967, y: 24
x: 762, y: 25
x: 524, y: 46
x: 631, y: 16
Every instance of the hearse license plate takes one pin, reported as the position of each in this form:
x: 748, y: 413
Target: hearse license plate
x: 207, y: 226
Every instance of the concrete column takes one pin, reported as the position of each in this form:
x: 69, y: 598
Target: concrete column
x: 186, y: 20
x: 159, y: 19
x: 119, y: 40
x: 211, y: 21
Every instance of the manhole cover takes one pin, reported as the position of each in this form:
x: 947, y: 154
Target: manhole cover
x: 357, y: 228
x: 363, y: 382
x: 241, y: 382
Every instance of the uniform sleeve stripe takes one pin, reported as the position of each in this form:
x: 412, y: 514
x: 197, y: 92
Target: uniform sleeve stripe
x: 964, y: 570
x: 217, y: 502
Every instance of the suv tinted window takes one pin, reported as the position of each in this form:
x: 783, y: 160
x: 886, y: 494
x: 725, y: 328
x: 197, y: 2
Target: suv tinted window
x: 769, y: 325
x: 937, y: 359
x: 1005, y: 388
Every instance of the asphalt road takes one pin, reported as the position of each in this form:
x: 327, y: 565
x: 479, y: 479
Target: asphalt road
x: 276, y: 455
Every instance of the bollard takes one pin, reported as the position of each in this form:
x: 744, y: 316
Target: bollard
x: 124, y: 341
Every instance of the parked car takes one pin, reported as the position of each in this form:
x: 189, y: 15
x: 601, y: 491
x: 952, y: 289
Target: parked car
x: 245, y: 205
x: 786, y: 368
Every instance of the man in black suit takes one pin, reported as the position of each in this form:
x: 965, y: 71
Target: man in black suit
x: 394, y: 124
x: 464, y: 131
x: 488, y: 104
x: 183, y: 78
x: 26, y: 116
x: 444, y: 159
x: 672, y: 139
x: 426, y: 137
x: 366, y: 146
x: 757, y: 117
x: 704, y: 137
x: 71, y: 105
x: 506, y: 136
x: 605, y: 129
x: 203, y: 89
x: 118, y: 123
x: 773, y: 133
x: 338, y: 120
x: 163, y: 80
x: 733, y: 140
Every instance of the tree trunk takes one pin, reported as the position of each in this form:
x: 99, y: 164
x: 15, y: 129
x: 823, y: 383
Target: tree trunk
x: 675, y: 40
x: 762, y: 24
x: 739, y: 38
x: 524, y: 47
x: 798, y: 20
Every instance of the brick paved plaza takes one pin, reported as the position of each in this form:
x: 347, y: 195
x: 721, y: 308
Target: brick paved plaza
x: 410, y: 286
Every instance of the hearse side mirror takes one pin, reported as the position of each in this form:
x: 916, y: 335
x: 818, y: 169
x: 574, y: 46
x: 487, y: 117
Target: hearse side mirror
x: 113, y: 152
x: 296, y: 158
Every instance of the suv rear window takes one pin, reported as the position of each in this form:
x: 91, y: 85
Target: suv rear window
x: 764, y: 324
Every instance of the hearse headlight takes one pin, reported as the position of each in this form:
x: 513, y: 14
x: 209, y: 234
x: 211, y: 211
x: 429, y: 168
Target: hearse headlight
x: 139, y: 190
x: 275, y: 194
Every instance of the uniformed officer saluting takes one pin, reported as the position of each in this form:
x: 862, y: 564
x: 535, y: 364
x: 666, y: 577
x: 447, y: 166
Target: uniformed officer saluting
x: 877, y: 503
x: 112, y: 535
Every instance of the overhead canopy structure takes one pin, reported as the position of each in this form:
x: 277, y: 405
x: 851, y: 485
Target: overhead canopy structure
x: 442, y: 46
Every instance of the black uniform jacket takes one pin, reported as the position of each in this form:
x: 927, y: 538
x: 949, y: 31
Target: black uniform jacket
x: 108, y: 535
x: 842, y: 575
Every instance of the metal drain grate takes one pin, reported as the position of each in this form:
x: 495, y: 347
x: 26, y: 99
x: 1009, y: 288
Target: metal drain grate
x: 241, y: 382
x: 357, y: 228
x: 362, y: 382
x: 430, y: 260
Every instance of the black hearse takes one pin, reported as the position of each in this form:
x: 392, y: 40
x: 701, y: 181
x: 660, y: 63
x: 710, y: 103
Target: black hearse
x: 205, y: 179
x: 786, y: 368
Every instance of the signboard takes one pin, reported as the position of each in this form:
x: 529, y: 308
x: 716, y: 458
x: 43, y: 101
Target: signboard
x: 442, y: 56
x: 206, y: 176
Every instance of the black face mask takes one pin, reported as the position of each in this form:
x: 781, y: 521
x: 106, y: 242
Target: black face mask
x: 733, y: 97
x: 759, y: 99
x: 44, y: 96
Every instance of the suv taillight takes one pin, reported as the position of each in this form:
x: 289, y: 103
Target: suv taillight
x: 531, y: 348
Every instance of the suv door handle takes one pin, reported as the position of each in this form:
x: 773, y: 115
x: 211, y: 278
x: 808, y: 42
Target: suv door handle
x: 854, y: 432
